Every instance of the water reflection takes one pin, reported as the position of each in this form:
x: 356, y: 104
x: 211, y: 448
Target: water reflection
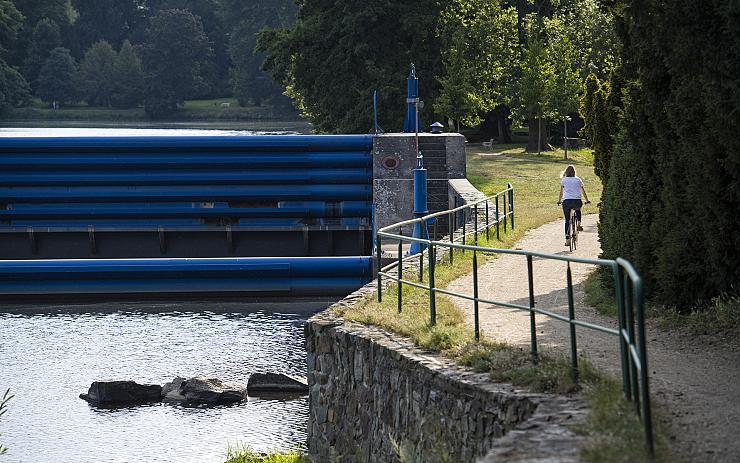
x: 48, y: 358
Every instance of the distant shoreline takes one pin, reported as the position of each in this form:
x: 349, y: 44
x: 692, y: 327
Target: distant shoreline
x: 219, y: 113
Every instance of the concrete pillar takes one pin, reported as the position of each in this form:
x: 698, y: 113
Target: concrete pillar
x: 394, y: 159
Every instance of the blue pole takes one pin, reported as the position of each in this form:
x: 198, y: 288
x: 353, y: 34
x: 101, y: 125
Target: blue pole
x: 411, y: 122
x: 420, y: 204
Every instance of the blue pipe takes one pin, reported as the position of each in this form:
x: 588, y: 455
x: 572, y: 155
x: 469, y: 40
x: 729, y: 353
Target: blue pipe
x: 186, y: 193
x: 189, y: 177
x: 189, y: 143
x: 420, y: 204
x: 296, y: 276
x: 53, y: 161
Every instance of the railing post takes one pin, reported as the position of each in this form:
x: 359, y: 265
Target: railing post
x: 532, y: 321
x: 421, y: 258
x: 432, y: 292
x: 498, y: 221
x: 451, y: 226
x: 511, y: 204
x: 629, y: 320
x: 487, y: 222
x: 476, y: 320
x: 465, y: 222
x: 623, y: 346
x: 506, y: 212
x: 647, y: 419
x: 400, y: 270
x: 379, y: 251
x: 571, y: 317
x: 475, y: 220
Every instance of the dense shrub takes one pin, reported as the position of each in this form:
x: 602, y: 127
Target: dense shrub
x: 679, y: 146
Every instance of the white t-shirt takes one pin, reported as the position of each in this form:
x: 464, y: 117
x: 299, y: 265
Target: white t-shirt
x: 571, y: 187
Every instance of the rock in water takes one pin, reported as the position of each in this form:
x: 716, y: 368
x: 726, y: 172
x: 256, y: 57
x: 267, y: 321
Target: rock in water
x: 171, y: 390
x: 205, y: 391
x: 122, y: 393
x: 271, y: 383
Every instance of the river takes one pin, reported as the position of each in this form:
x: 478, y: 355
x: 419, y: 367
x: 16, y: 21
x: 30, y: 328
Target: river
x: 50, y: 353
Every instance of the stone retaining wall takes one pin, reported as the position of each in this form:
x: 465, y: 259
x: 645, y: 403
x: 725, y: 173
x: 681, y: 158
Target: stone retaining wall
x: 373, y: 395
x: 376, y: 398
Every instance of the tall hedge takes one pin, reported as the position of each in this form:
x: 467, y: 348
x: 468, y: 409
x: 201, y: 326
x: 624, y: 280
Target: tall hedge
x: 679, y: 149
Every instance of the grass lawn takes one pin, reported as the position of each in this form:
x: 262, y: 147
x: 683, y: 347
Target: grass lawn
x: 613, y: 428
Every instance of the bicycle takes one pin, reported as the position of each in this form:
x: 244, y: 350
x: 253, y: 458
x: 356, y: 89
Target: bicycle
x: 575, y: 225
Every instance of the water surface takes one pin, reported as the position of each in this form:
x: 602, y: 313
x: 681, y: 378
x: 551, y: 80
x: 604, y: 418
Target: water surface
x: 47, y: 359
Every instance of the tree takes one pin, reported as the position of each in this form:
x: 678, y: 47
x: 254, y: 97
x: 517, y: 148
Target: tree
x: 57, y: 81
x: 10, y: 21
x: 532, y: 90
x: 248, y: 81
x: 60, y: 12
x: 97, y: 74
x: 14, y: 90
x: 112, y: 21
x: 46, y: 37
x: 335, y: 55
x: 678, y: 138
x: 128, y: 78
x: 174, y: 54
x: 214, y: 78
x: 562, y: 100
x: 480, y: 44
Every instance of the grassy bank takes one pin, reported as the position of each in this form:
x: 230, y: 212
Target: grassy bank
x: 192, y: 110
x: 245, y: 455
x: 536, y: 184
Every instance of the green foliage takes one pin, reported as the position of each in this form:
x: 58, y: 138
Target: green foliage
x: 687, y: 105
x: 335, y: 55
x: 14, y: 90
x: 45, y: 38
x: 128, y: 78
x: 615, y: 433
x: 480, y: 43
x: 10, y: 21
x: 537, y: 76
x: 3, y: 408
x: 59, y: 12
x: 112, y: 21
x: 586, y: 106
x: 97, y: 71
x: 58, y: 78
x: 242, y: 454
x: 249, y: 82
x: 175, y: 52
x: 562, y: 98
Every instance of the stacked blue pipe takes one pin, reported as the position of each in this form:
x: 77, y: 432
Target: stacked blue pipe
x: 81, y: 203
x: 274, y: 276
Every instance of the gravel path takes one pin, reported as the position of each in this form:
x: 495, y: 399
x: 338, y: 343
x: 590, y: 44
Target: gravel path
x: 695, y: 383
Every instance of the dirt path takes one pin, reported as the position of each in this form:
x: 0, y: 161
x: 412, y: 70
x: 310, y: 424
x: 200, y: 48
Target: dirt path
x: 696, y: 383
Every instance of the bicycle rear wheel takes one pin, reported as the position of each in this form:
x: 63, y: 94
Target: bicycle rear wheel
x: 573, y: 230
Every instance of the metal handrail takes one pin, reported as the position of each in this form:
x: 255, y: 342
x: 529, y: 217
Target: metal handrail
x: 627, y: 283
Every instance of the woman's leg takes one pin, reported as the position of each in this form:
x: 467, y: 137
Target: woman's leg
x: 566, y: 210
x: 579, y: 205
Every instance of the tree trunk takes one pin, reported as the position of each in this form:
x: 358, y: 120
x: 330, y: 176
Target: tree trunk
x: 503, y: 129
x: 533, y: 145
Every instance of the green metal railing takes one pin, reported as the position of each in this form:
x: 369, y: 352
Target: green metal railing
x: 628, y: 285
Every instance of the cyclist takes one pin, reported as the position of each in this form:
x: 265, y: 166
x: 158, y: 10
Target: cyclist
x: 571, y: 188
